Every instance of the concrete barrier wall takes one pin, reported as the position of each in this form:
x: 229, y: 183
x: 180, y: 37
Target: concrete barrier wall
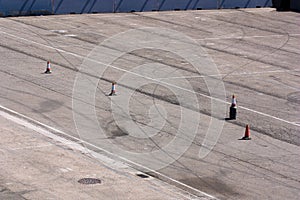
x: 32, y: 7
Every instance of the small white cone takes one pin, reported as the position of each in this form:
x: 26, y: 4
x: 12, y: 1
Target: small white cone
x: 48, y: 68
x: 113, y: 89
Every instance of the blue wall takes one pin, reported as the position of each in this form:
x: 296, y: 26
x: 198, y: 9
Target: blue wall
x: 31, y: 7
x: 24, y: 7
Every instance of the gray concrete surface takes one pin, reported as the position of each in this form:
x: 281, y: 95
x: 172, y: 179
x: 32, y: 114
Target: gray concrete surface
x: 256, y: 52
x: 34, y: 166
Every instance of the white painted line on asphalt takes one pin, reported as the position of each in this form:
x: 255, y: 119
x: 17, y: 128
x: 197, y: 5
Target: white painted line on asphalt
x: 70, y: 35
x: 245, y: 37
x: 149, y: 78
x: 43, y: 45
x: 59, y: 31
x: 42, y: 129
x: 233, y: 74
x: 22, y: 120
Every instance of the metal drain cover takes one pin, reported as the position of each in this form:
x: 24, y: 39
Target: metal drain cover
x: 88, y: 181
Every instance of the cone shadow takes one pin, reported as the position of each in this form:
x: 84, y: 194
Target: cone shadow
x: 244, y: 138
x: 228, y: 118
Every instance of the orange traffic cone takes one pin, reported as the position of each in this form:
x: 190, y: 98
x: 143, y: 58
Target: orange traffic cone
x: 48, y: 68
x: 113, y: 89
x: 247, y: 133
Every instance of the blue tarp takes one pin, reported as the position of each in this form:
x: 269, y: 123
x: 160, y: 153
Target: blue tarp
x: 38, y: 7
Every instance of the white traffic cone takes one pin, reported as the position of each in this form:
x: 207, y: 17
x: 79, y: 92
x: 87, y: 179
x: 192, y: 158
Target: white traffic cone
x: 48, y: 68
x: 113, y: 89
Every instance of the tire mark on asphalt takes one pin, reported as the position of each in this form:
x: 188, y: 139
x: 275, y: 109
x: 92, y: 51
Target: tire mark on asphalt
x: 71, y: 54
x: 159, y: 97
x: 253, y: 59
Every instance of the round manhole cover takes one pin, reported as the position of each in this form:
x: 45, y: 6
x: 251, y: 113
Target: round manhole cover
x: 88, y: 181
